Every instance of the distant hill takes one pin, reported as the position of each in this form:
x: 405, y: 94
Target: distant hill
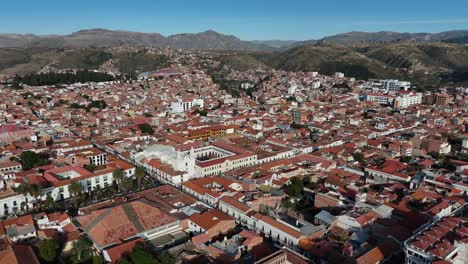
x: 208, y: 40
x: 211, y: 40
x: 362, y: 38
x: 426, y: 59
x: 425, y: 63
x: 276, y: 43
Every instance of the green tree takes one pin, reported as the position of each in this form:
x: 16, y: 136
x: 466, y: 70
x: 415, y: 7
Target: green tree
x: 256, y: 175
x: 82, y: 251
x: 90, y: 167
x: 23, y: 188
x: 359, y: 157
x: 35, y: 191
x: 49, y: 203
x: 447, y: 164
x: 47, y: 250
x: 75, y: 188
x: 140, y: 256
x: 97, y: 259
x: 435, y: 155
x: 100, y: 104
x: 118, y: 176
x: 31, y: 159
x: 146, y: 129
x: 295, y: 188
x: 139, y: 174
x: 126, y: 184
x: 405, y: 159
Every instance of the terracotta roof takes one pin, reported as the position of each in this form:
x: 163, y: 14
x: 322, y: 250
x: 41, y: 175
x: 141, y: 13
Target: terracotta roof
x: 210, y: 219
x: 112, y: 225
x: 7, y: 255
x: 286, y: 229
x: 122, y: 250
x: 236, y: 204
x: 377, y: 254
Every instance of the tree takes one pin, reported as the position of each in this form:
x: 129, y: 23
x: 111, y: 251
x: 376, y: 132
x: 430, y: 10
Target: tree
x: 97, y: 259
x: 35, y: 191
x: 75, y: 188
x: 49, y: 203
x: 447, y: 164
x: 359, y: 157
x: 82, y: 251
x: 405, y: 159
x: 118, y: 176
x: 295, y: 188
x: 100, y: 104
x: 90, y: 167
x: 126, y: 184
x: 256, y: 175
x: 435, y: 155
x: 47, y: 250
x: 139, y: 174
x: 146, y: 129
x: 31, y: 159
x: 23, y: 188
x: 140, y: 256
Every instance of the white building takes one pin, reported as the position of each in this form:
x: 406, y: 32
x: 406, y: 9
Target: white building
x: 316, y: 84
x: 395, y: 85
x: 383, y: 99
x: 292, y: 89
x: 193, y: 160
x: 278, y: 231
x: 407, y: 100
x: 439, y: 242
x: 181, y: 106
x: 339, y: 75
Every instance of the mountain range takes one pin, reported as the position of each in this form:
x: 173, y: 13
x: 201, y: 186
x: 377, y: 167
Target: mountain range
x: 208, y: 40
x: 211, y: 40
x: 429, y: 60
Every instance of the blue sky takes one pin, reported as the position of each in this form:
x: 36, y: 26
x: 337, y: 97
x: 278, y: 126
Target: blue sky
x: 247, y: 19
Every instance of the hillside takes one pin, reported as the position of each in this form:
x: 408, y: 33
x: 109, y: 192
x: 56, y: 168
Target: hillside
x: 214, y: 41
x: 208, y: 40
x: 424, y: 63
x: 356, y: 37
x: 31, y: 60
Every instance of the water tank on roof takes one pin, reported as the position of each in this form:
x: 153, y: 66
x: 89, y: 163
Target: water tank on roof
x: 465, y: 143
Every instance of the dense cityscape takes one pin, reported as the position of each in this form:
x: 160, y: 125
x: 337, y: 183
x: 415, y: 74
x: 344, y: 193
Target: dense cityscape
x: 175, y: 166
x: 234, y: 132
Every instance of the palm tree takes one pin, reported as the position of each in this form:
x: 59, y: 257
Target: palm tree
x: 35, y: 191
x: 23, y: 188
x: 75, y: 189
x: 23, y: 206
x: 118, y: 176
x: 139, y: 174
x: 49, y: 203
x: 126, y: 185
